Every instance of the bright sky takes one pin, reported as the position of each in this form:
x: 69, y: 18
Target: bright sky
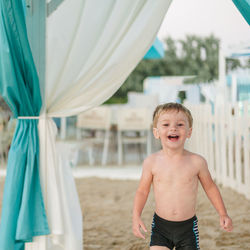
x: 203, y: 17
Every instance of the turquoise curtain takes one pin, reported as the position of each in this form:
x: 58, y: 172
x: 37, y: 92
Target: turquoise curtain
x: 23, y: 213
x: 244, y: 8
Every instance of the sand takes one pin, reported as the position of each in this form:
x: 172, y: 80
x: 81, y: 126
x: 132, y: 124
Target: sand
x: 107, y: 208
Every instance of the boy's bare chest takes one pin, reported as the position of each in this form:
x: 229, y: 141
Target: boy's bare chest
x: 175, y: 174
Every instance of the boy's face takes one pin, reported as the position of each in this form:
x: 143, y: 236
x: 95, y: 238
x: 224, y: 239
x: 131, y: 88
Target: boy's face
x: 172, y: 129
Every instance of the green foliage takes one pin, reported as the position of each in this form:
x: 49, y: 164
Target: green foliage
x: 182, y: 96
x: 199, y: 57
x: 232, y: 64
x: 247, y: 65
x: 116, y: 99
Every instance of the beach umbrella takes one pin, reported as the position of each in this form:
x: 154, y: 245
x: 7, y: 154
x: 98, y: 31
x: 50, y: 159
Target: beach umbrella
x: 83, y: 51
x: 244, y: 8
x: 156, y: 51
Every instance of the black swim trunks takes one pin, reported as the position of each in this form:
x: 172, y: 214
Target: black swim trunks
x: 183, y: 235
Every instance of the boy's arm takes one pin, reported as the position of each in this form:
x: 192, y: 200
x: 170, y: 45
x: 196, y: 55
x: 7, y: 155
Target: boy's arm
x: 214, y: 196
x: 141, y: 198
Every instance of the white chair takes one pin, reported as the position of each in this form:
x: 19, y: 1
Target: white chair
x: 93, y: 127
x: 133, y: 127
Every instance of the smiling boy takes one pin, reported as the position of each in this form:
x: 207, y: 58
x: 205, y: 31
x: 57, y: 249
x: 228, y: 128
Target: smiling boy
x: 174, y: 173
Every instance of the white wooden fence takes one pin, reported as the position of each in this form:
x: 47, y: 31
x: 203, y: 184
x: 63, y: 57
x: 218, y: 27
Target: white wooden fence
x: 223, y: 138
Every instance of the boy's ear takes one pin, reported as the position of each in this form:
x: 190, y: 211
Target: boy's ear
x: 156, y: 133
x: 189, y: 133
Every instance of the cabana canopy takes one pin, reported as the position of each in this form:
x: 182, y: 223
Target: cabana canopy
x: 73, y: 56
x: 244, y: 8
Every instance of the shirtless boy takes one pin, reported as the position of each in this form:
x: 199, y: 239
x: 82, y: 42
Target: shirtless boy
x: 175, y: 173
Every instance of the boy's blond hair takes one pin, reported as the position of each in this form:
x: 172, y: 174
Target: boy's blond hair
x: 171, y: 106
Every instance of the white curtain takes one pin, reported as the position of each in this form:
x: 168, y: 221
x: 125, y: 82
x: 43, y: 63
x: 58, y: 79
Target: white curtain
x: 91, y: 47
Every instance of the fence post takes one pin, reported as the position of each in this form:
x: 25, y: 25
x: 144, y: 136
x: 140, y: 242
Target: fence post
x: 209, y: 117
x: 238, y: 149
x: 223, y: 136
x: 217, y: 144
x: 231, y: 146
x: 246, y: 149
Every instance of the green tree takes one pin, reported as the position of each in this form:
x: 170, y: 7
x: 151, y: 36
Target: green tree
x: 232, y: 64
x: 247, y: 65
x: 200, y: 58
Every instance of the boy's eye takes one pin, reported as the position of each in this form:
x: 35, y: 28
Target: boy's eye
x: 166, y: 124
x: 180, y: 124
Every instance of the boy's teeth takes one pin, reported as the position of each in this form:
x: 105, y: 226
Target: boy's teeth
x: 173, y: 137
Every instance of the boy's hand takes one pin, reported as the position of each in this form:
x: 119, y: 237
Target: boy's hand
x: 226, y: 223
x: 137, y: 226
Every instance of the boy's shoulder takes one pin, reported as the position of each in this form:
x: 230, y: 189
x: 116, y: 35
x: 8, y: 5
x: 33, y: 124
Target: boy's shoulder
x: 151, y: 159
x: 196, y: 159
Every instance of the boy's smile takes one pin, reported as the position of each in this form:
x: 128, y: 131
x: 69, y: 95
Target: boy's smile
x: 172, y: 129
x: 173, y: 137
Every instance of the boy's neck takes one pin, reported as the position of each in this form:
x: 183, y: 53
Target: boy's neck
x: 173, y: 152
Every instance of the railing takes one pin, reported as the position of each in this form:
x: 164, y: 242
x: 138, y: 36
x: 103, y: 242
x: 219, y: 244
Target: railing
x: 222, y: 136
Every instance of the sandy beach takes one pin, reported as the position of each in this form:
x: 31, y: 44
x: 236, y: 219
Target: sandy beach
x: 107, y: 207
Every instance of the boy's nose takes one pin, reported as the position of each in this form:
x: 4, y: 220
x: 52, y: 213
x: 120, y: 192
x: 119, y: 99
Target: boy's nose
x: 173, y: 128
